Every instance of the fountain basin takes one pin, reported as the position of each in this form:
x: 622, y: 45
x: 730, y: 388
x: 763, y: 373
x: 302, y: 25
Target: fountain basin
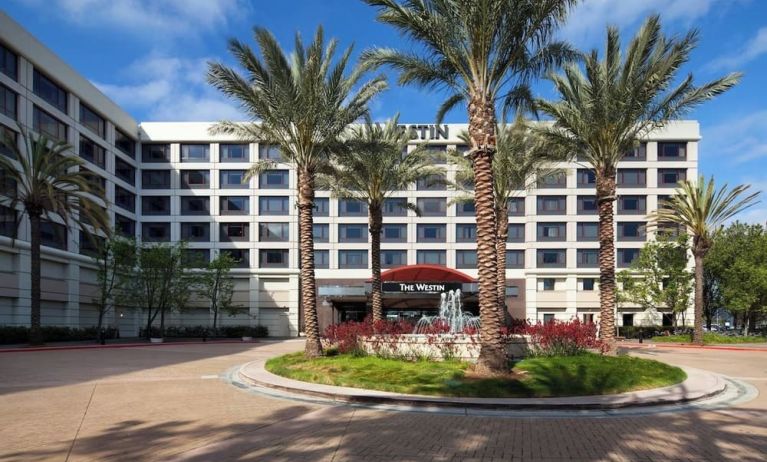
x: 438, y: 346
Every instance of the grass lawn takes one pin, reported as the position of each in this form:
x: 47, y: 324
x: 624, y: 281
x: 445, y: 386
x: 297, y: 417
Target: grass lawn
x: 710, y: 338
x: 587, y: 374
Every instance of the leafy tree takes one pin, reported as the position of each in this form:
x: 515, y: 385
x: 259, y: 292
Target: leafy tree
x: 606, y: 105
x: 116, y: 258
x: 369, y: 166
x: 217, y: 287
x: 703, y: 210
x: 43, y: 180
x: 712, y: 293
x: 302, y: 101
x: 484, y: 53
x: 659, y: 277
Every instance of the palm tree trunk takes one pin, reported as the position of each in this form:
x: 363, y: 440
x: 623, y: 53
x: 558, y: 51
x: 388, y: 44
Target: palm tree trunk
x: 375, y: 218
x: 605, y: 198
x: 35, y: 333
x: 502, y: 215
x: 697, y: 333
x: 482, y: 122
x: 306, y: 243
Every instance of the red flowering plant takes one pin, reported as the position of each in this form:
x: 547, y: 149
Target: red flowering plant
x: 560, y: 338
x: 346, y: 336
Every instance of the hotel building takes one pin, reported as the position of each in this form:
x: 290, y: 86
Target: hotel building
x: 172, y: 181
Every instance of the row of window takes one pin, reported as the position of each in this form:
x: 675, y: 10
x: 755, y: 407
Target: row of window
x: 192, y: 179
x: 198, y: 152
x: 625, y: 177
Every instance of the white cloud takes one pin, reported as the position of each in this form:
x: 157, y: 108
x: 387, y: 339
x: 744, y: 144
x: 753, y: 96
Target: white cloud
x: 755, y: 47
x: 740, y: 139
x: 170, y: 89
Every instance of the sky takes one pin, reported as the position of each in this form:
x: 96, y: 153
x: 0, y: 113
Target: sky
x: 150, y: 56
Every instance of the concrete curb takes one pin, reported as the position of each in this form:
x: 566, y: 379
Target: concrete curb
x: 699, y: 385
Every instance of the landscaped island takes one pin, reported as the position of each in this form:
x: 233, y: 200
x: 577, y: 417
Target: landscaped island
x: 583, y: 374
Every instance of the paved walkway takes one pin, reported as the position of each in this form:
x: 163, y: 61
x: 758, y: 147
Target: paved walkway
x: 169, y: 403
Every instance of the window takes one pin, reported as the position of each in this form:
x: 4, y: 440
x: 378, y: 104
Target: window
x: 90, y: 244
x: 552, y: 231
x: 465, y: 258
x: 321, y: 207
x: 8, y: 102
x: 125, y: 225
x: 155, y: 205
x: 352, y: 208
x: 549, y: 318
x: 587, y: 318
x: 321, y: 232
x: 155, y: 232
x: 273, y: 205
x: 430, y: 233
x: 352, y: 233
x: 273, y: 232
x: 515, y: 259
x: 437, y: 153
x: 393, y: 258
x: 632, y: 205
x: 7, y: 183
x: 395, y: 207
x: 431, y: 257
x: 192, y: 179
x: 11, y: 135
x: 155, y: 179
x: 125, y: 199
x: 95, y: 181
x: 587, y: 205
x: 49, y: 91
x: 465, y: 232
x: 196, y: 258
x: 47, y: 125
x: 552, y: 205
x: 155, y: 153
x: 273, y: 179
x: 516, y: 232
x: 554, y: 180
x: 516, y: 206
x: 53, y: 235
x: 90, y: 119
x: 626, y: 257
x: 240, y: 256
x: 637, y: 154
x: 231, y: 232
x: 672, y: 151
x: 548, y: 283
x: 233, y: 153
x: 92, y: 152
x: 351, y: 259
x: 586, y: 178
x: 669, y: 177
x: 465, y: 209
x: 394, y: 233
x: 125, y: 143
x: 234, y: 205
x: 7, y: 221
x: 9, y: 62
x: 588, y: 284
x: 322, y: 259
x: 195, y: 205
x: 232, y: 179
x: 432, y: 207
x: 587, y: 258
x: 632, y: 177
x: 195, y: 232
x: 631, y: 231
x: 551, y: 258
x: 125, y: 171
x: 269, y: 151
x: 587, y: 231
x: 628, y: 319
x: 195, y: 152
x: 432, y: 183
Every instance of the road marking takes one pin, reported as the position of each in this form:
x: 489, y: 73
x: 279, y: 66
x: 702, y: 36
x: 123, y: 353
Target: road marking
x: 751, y: 378
x: 208, y: 377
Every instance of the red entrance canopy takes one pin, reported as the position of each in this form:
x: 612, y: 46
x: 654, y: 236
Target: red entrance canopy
x: 425, y: 273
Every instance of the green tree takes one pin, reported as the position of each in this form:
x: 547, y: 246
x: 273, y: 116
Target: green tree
x: 484, y: 53
x: 217, y: 286
x: 116, y: 258
x: 702, y: 210
x: 606, y: 105
x: 302, y: 101
x: 659, y: 277
x: 44, y: 181
x: 712, y: 293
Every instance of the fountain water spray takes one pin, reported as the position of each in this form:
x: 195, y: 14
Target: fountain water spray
x: 450, y: 315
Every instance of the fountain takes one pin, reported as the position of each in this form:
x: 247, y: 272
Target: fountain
x: 451, y: 316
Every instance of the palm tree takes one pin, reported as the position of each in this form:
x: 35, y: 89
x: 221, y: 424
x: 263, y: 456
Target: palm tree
x: 44, y: 184
x: 302, y: 101
x: 369, y: 166
x: 601, y: 114
x: 520, y: 158
x: 702, y: 210
x: 484, y: 53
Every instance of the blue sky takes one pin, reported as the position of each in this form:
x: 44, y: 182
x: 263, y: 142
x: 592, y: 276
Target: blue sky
x: 150, y: 57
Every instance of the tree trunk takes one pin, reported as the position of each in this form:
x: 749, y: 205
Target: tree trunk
x: 375, y: 218
x: 99, y: 333
x: 482, y: 122
x: 35, y: 333
x: 697, y: 333
x: 149, y: 320
x: 605, y: 199
x: 306, y: 243
x: 502, y: 215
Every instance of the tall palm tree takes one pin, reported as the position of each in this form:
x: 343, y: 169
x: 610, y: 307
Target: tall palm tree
x: 520, y: 159
x: 484, y: 53
x: 603, y: 113
x: 45, y: 184
x: 369, y: 166
x: 301, y: 101
x: 702, y: 209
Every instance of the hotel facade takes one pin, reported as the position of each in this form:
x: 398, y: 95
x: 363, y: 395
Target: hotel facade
x: 173, y: 181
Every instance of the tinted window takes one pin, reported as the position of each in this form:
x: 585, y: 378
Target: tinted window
x: 125, y: 143
x: 465, y: 232
x: 432, y: 207
x: 516, y: 232
x: 395, y: 207
x: 155, y: 153
x: 155, y: 232
x: 234, y: 153
x: 587, y: 258
x: 273, y: 205
x: 352, y: 233
x: 431, y: 233
x: 195, y: 205
x: 233, y: 179
x: 393, y: 258
x: 321, y: 232
x: 273, y: 179
x: 321, y: 206
x: 352, y: 208
x: 465, y: 258
x: 195, y: 152
x: 125, y: 171
x: 9, y: 62
x: 92, y: 152
x: 191, y: 179
x: 8, y: 102
x: 48, y: 125
x: 515, y: 259
x: 273, y: 258
x: 155, y: 179
x: 431, y: 257
x: 155, y: 205
x: 274, y: 232
x: 195, y: 232
x: 234, y: 232
x: 49, y: 91
x: 90, y: 119
x: 353, y: 259
x: 394, y: 233
x: 234, y: 205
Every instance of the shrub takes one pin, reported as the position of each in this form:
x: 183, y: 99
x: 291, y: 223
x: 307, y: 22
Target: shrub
x: 205, y: 331
x: 20, y: 334
x: 345, y: 336
x: 560, y: 338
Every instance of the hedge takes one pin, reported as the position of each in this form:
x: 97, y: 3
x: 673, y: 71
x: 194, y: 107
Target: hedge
x: 206, y: 331
x: 20, y: 334
x: 648, y: 332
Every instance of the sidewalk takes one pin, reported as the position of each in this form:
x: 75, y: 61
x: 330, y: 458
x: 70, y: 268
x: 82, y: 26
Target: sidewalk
x: 724, y: 346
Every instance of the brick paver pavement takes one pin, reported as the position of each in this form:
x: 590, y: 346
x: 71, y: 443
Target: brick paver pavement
x: 163, y: 403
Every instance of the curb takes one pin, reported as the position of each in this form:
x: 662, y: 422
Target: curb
x: 699, y: 385
x: 117, y: 345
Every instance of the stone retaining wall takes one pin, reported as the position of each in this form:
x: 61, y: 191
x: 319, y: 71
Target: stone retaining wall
x: 438, y: 346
